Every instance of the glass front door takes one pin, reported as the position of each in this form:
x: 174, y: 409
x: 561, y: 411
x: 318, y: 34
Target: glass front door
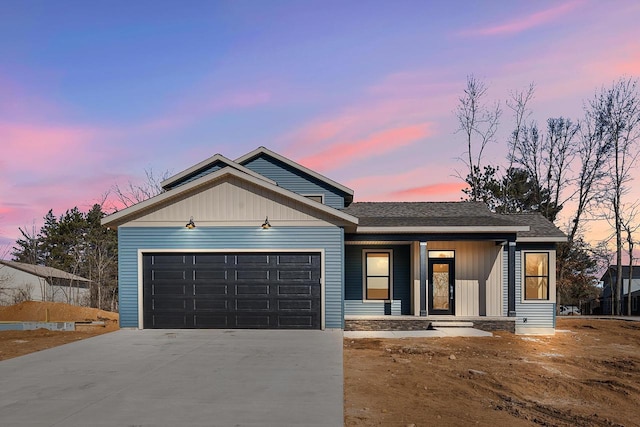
x: 441, y: 286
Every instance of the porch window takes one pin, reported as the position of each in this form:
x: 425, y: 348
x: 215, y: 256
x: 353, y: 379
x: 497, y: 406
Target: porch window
x: 536, y: 276
x: 377, y: 275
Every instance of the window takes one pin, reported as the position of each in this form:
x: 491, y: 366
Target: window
x: 536, y: 276
x: 315, y: 197
x: 377, y: 275
x: 442, y: 254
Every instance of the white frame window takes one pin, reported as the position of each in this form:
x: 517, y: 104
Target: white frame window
x: 374, y: 272
x: 542, y: 271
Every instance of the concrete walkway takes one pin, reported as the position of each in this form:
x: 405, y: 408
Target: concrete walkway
x: 179, y: 378
x: 431, y: 333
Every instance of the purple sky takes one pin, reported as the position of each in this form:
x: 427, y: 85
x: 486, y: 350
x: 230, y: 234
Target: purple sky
x: 92, y: 93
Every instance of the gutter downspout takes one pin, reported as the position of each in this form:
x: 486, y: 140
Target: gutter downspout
x: 511, y: 279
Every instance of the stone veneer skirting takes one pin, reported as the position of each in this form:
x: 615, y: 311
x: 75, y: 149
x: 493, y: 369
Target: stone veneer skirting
x: 423, y: 324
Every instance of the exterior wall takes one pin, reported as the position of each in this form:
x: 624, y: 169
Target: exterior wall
x: 478, y: 277
x: 232, y: 202
x: 133, y: 239
x: 12, y: 281
x: 533, y: 317
x: 294, y: 180
x: 401, y: 301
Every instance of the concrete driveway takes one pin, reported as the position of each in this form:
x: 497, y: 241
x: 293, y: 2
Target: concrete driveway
x: 179, y: 378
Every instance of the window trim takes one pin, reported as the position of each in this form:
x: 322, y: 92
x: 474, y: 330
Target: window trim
x: 551, y: 255
x: 309, y: 195
x: 364, y: 274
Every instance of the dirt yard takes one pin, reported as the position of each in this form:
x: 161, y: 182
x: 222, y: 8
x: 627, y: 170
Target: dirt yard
x: 588, y: 374
x: 18, y: 343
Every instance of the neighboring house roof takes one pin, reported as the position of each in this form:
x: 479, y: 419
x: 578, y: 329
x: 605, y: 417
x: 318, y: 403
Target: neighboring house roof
x: 202, y: 167
x: 42, y: 271
x: 262, y: 150
x: 613, y: 269
x: 208, y: 180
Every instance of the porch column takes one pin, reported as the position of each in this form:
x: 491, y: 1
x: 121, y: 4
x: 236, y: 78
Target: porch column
x: 511, y: 279
x: 423, y: 278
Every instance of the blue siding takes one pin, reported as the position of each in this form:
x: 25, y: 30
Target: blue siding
x: 295, y: 180
x: 401, y: 281
x: 130, y: 239
x: 537, y: 315
x: 206, y: 171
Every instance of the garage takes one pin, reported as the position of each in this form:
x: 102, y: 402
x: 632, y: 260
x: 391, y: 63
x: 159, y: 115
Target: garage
x: 232, y: 290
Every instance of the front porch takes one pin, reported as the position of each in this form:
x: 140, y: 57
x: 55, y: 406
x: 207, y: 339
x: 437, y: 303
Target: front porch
x: 414, y: 323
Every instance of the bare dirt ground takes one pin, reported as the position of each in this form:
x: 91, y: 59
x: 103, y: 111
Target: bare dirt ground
x: 588, y: 375
x: 18, y: 343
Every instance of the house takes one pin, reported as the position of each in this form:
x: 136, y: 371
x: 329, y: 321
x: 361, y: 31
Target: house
x: 609, y: 278
x: 264, y: 242
x: 28, y: 282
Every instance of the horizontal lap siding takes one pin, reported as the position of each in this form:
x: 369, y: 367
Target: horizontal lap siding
x: 537, y: 315
x: 401, y: 281
x: 130, y: 239
x: 197, y: 175
x: 296, y: 181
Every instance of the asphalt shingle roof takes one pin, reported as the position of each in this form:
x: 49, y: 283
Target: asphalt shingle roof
x: 42, y: 271
x: 428, y: 214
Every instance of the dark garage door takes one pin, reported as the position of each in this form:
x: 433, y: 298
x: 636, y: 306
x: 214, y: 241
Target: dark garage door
x: 232, y: 290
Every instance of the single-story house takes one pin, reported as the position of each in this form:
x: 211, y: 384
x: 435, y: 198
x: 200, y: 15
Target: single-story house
x: 28, y: 282
x: 609, y: 278
x: 264, y: 242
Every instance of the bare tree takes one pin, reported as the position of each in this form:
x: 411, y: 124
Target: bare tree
x: 479, y: 123
x: 630, y: 226
x: 617, y: 114
x: 133, y: 192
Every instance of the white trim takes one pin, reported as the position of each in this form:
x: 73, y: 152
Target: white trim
x: 141, y: 252
x: 130, y: 212
x: 364, y: 275
x: 443, y: 229
x: 263, y: 150
x: 206, y: 163
x: 377, y: 242
x: 552, y: 277
x: 542, y: 239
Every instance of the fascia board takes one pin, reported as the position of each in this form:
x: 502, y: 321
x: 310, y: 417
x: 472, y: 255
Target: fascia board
x: 205, y: 163
x: 263, y: 150
x: 119, y: 217
x: 442, y: 229
x: 542, y: 239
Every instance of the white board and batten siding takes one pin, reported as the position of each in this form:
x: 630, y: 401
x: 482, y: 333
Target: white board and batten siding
x: 232, y: 202
x: 478, y: 279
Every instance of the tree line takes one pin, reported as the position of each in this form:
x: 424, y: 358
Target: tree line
x: 583, y: 163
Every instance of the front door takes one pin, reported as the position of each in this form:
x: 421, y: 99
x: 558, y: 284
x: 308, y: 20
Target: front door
x: 441, y: 286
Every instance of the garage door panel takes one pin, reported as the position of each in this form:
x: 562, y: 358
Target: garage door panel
x: 168, y: 289
x: 232, y: 290
x: 303, y: 304
x: 210, y: 304
x: 252, y: 274
x: 252, y: 289
x: 253, y: 305
x: 208, y: 274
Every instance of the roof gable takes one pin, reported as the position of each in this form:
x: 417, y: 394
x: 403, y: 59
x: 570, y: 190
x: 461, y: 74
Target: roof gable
x: 264, y: 152
x: 200, y: 184
x: 210, y: 165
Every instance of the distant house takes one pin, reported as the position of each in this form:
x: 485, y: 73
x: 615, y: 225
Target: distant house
x: 28, y: 282
x: 263, y: 242
x: 609, y: 278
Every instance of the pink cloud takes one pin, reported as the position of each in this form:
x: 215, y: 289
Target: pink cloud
x: 440, y: 191
x: 525, y: 23
x: 378, y: 143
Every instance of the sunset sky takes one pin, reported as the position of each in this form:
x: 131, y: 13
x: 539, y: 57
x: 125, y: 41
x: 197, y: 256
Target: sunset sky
x: 92, y: 93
